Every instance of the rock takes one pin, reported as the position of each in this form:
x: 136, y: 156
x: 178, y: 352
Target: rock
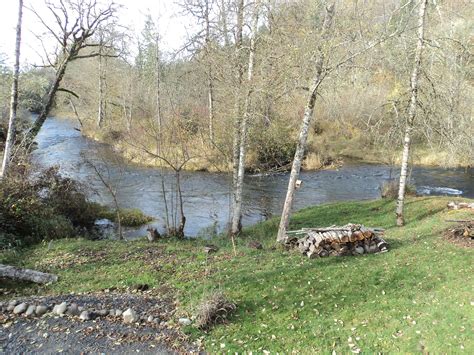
x: 208, y: 249
x: 130, y: 316
x: 112, y: 312
x: 73, y: 310
x: 30, y: 310
x: 184, y: 321
x: 118, y: 312
x: 102, y: 312
x: 21, y: 308
x: 40, y: 310
x: 85, y: 315
x: 150, y: 319
x: 60, y: 309
x: 253, y: 244
x: 312, y: 254
x: 359, y: 250
x: 11, y: 305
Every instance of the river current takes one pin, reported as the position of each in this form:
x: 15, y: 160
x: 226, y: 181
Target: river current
x: 207, y: 195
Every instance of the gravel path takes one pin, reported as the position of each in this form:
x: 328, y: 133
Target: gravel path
x: 106, y: 334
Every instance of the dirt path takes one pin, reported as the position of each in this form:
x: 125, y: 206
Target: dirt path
x: 104, y: 334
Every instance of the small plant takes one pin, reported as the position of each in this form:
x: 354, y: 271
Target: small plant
x: 389, y: 189
x: 213, y: 309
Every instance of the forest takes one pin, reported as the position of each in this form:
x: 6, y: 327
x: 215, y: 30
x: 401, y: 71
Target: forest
x: 180, y: 173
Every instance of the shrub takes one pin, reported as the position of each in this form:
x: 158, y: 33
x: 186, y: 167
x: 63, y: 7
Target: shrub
x: 41, y: 207
x: 389, y: 189
x: 214, y: 308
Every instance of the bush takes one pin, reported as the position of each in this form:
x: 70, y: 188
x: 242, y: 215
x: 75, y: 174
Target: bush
x: 274, y: 148
x: 389, y: 189
x: 43, y: 207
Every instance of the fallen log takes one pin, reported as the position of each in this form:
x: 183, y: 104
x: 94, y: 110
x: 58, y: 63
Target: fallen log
x: 16, y: 273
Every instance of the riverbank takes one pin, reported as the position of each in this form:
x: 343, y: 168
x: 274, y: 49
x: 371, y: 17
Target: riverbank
x: 416, y: 297
x: 323, y: 152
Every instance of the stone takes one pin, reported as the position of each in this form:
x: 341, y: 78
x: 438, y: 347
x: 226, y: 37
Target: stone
x: 208, y: 249
x: 30, y: 310
x: 150, y: 319
x: 118, y: 312
x: 73, y: 310
x: 60, y: 309
x: 21, y: 308
x: 85, y: 315
x: 11, y: 305
x: 184, y: 321
x: 253, y: 244
x: 40, y: 310
x: 102, y: 312
x: 359, y: 250
x: 130, y: 316
x: 112, y: 312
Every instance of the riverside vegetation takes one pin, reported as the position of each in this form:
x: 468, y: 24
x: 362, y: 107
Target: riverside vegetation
x: 417, y: 297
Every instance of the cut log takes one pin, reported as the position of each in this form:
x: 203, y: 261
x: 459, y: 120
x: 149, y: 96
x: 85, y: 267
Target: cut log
x: 16, y: 273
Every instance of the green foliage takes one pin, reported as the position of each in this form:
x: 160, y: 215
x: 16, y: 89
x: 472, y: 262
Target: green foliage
x: 131, y: 217
x: 44, y: 207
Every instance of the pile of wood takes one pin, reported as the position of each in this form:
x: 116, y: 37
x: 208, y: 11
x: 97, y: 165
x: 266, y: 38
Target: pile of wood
x: 464, y: 230
x: 460, y: 205
x: 351, y: 239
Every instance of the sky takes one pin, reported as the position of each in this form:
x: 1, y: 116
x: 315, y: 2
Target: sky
x: 172, y: 25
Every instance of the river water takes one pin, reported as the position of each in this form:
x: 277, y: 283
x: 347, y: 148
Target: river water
x: 206, y: 195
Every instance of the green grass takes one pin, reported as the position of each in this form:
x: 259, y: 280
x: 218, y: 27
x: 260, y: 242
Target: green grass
x: 130, y: 217
x: 417, y: 297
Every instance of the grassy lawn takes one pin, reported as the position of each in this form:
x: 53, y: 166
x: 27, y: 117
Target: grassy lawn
x: 417, y: 297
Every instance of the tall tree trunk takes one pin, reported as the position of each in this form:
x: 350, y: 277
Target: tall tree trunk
x: 308, y: 114
x: 14, y: 97
x: 158, y: 94
x: 32, y: 133
x: 102, y: 78
x: 238, y: 104
x: 411, y: 113
x: 210, y: 84
x: 237, y: 208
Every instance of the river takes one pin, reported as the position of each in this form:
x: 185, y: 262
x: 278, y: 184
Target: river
x: 206, y: 195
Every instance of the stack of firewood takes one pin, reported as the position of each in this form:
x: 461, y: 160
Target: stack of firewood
x: 351, y: 239
x: 453, y: 205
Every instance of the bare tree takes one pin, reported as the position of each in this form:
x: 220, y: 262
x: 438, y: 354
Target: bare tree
x: 242, y: 148
x: 75, y: 23
x: 14, y: 97
x: 308, y: 115
x: 411, y: 111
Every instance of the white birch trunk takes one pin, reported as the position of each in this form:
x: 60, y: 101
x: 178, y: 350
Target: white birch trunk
x: 237, y: 208
x: 303, y: 136
x: 238, y: 111
x: 411, y: 113
x: 14, y: 97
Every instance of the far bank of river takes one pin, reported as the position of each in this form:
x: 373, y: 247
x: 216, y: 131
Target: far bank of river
x: 207, y: 195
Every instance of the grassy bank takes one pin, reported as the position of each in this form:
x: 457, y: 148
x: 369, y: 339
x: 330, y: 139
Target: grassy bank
x: 417, y: 297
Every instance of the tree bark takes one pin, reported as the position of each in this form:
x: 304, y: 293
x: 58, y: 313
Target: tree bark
x: 238, y: 108
x: 102, y: 79
x: 237, y: 208
x: 411, y: 113
x: 14, y: 97
x: 26, y: 274
x: 303, y: 136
